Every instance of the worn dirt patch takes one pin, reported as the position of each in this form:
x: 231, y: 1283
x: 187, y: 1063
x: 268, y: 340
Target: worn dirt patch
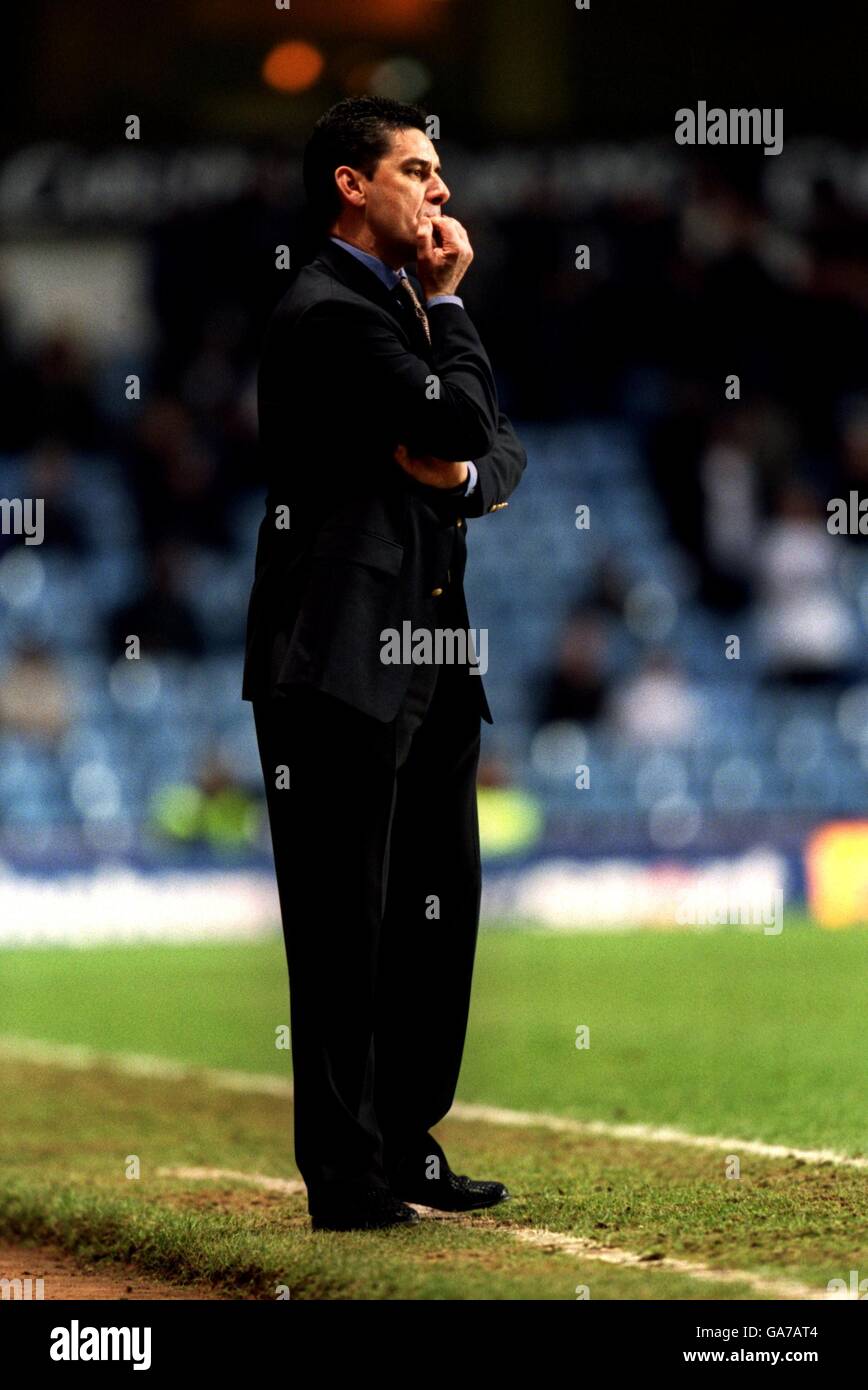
x: 65, y: 1277
x: 287, y: 1212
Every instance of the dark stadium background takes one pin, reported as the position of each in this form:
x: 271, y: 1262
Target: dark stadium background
x: 156, y: 257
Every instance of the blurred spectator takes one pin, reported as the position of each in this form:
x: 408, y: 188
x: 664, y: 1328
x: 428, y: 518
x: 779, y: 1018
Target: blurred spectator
x: 511, y: 820
x: 806, y: 633
x: 179, y: 492
x: 577, y: 687
x: 34, y: 694
x: 853, y: 457
x: 50, y: 475
x: 657, y: 705
x: 215, y: 810
x: 161, y: 616
x: 49, y: 392
x: 730, y: 521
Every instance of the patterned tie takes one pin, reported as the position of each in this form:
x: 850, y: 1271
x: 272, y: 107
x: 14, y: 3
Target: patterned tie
x: 404, y: 284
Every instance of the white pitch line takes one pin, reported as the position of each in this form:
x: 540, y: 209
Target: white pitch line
x: 542, y: 1239
x: 81, y: 1058
x: 78, y: 1057
x: 649, y: 1134
x: 290, y: 1187
x: 609, y: 1254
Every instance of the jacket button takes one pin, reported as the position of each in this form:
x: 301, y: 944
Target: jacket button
x: 435, y: 593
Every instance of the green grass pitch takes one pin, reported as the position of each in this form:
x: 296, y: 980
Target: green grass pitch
x: 726, y: 1032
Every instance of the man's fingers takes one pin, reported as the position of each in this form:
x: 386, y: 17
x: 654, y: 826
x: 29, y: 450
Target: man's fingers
x: 427, y: 250
x: 453, y: 237
x: 441, y: 266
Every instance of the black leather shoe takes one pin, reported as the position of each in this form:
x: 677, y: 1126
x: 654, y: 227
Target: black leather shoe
x: 451, y: 1192
x: 373, y: 1209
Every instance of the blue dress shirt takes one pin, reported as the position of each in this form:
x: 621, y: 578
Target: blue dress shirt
x: 390, y: 279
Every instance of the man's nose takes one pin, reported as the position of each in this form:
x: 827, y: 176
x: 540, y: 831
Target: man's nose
x: 438, y: 193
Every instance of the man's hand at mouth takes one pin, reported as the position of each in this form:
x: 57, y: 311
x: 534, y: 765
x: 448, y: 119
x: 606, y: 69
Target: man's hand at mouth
x: 443, y: 254
x: 431, y: 471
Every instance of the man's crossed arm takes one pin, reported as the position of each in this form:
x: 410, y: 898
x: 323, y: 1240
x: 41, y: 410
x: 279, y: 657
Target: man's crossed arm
x: 498, y: 472
x: 441, y: 430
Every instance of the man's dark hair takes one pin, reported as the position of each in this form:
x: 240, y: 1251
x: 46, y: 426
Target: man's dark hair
x: 356, y: 131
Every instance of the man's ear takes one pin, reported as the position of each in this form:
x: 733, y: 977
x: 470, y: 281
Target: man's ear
x: 350, y: 185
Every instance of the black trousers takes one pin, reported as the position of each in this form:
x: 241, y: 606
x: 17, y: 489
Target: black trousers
x: 376, y: 849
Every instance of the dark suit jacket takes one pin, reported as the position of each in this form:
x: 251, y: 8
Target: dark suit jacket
x: 346, y: 373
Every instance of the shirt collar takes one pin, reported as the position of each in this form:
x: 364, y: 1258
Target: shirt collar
x: 383, y: 272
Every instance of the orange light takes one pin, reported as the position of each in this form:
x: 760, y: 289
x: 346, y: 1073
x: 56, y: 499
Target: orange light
x: 292, y: 67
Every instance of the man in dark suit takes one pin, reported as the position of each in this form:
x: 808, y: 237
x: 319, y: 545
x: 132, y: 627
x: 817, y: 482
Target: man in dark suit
x: 382, y: 434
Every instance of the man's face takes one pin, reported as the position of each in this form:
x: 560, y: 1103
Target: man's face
x: 406, y: 186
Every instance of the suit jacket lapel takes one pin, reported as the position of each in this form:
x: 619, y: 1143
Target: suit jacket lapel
x: 358, y: 277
